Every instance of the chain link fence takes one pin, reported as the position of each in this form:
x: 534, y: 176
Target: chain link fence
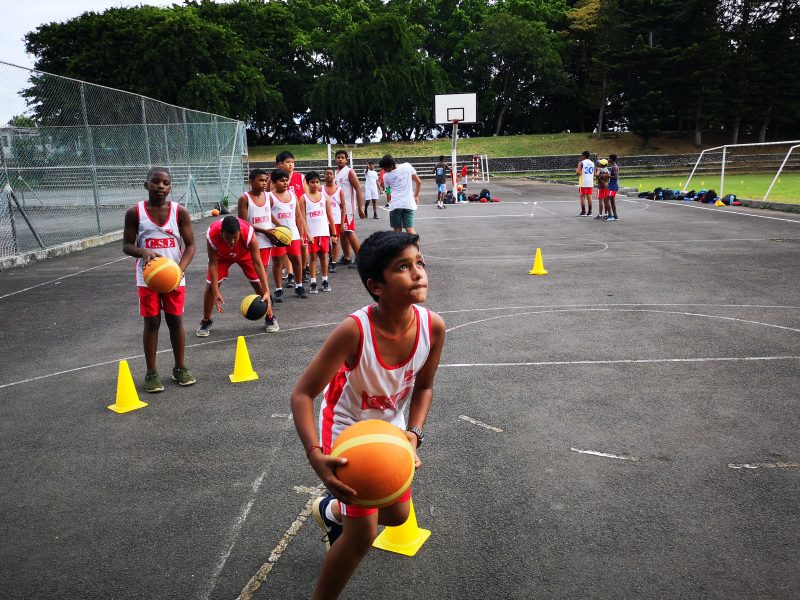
x: 75, y: 156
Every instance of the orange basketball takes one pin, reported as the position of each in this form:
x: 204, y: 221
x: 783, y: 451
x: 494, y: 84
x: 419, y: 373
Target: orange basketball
x: 162, y: 275
x: 380, y: 462
x: 214, y: 212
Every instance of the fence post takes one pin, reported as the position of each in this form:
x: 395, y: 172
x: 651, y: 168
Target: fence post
x: 220, y: 172
x: 722, y: 173
x: 188, y: 159
x: 90, y: 143
x: 146, y: 135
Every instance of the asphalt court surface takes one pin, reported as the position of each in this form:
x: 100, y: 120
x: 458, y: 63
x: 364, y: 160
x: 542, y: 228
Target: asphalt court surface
x: 624, y: 427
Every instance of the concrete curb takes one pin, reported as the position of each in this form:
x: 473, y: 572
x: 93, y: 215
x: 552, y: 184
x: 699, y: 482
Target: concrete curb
x: 20, y: 260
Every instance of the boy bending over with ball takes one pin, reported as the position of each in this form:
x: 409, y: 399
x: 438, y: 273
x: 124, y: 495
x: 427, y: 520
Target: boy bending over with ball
x: 376, y: 363
x: 156, y: 227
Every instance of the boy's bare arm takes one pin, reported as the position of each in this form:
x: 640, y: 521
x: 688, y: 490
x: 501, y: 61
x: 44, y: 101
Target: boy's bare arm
x: 341, y: 347
x: 418, y: 183
x: 129, y: 235
x: 359, y: 194
x: 187, y: 234
x: 242, y: 207
x: 422, y: 396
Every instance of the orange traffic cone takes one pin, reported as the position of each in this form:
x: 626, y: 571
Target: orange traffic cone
x: 127, y: 398
x: 404, y: 539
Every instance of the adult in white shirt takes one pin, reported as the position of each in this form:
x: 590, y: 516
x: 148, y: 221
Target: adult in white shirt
x: 402, y: 191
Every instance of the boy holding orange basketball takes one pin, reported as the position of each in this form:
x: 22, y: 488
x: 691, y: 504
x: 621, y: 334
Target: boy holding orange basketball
x: 156, y: 227
x: 379, y: 361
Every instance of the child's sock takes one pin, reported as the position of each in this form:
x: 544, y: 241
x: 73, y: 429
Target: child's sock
x: 329, y: 514
x: 324, y: 279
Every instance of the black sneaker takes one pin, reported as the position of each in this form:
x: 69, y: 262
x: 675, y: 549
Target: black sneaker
x: 345, y: 261
x: 290, y: 283
x: 331, y: 528
x: 331, y: 267
x: 598, y: 217
x: 313, y: 288
x: 205, y: 328
x: 589, y: 214
x: 300, y: 292
x: 326, y: 287
x: 582, y: 213
x: 374, y: 216
x: 271, y: 325
x: 306, y: 276
x: 353, y: 265
x: 278, y: 295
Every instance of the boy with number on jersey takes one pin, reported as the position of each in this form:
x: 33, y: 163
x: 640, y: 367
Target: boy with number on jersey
x: 156, y: 227
x: 319, y: 221
x: 585, y: 172
x: 254, y: 208
x: 377, y: 363
x: 613, y: 188
x: 440, y: 171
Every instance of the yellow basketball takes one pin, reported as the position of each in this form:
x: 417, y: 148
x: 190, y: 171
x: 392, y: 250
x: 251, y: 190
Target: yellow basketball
x: 380, y: 461
x: 283, y: 235
x: 253, y: 307
x: 162, y: 275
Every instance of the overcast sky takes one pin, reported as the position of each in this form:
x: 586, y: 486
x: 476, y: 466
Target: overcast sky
x: 22, y: 16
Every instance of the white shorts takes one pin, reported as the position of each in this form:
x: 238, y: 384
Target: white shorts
x: 370, y: 194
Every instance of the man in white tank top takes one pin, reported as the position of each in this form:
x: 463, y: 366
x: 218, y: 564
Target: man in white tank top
x: 585, y: 173
x: 377, y: 363
x: 157, y: 227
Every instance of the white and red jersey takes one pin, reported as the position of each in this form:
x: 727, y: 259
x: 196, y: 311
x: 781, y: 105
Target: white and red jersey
x: 163, y: 239
x: 239, y: 251
x: 317, y: 217
x: 336, y: 204
x: 348, y: 193
x: 587, y: 173
x: 260, y: 215
x: 297, y: 183
x: 285, y: 212
x: 372, y: 389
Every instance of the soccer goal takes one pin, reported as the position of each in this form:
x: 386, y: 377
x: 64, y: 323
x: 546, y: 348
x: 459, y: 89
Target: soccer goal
x: 751, y: 170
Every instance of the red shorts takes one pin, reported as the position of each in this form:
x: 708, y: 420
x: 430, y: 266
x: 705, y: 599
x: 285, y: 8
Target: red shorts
x: 266, y: 253
x: 585, y: 191
x: 151, y: 303
x: 338, y: 231
x: 321, y: 243
x: 602, y: 194
x: 612, y: 194
x: 293, y: 249
x: 350, y: 223
x: 223, y: 266
x: 354, y: 510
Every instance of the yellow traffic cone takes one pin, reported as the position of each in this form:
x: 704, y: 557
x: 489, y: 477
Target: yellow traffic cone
x: 127, y: 398
x: 404, y: 539
x: 242, y: 368
x: 538, y: 265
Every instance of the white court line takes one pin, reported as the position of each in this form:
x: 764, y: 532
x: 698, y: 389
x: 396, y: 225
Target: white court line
x: 234, y: 534
x: 564, y: 308
x: 165, y: 350
x: 726, y: 211
x: 263, y: 572
x: 606, y: 455
x: 765, y: 465
x: 33, y: 287
x: 472, y: 217
x: 623, y: 361
x: 480, y: 423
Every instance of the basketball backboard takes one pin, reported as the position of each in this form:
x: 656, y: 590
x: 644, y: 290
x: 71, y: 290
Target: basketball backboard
x: 455, y: 107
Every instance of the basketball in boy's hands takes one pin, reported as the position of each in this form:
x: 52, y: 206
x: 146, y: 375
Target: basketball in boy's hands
x: 380, y: 462
x: 253, y: 307
x: 162, y: 274
x: 283, y: 235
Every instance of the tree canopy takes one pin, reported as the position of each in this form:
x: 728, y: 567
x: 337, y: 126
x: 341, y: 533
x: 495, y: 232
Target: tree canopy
x: 314, y: 70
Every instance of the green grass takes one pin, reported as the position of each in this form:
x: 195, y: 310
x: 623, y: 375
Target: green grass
x: 750, y: 186
x: 495, y: 146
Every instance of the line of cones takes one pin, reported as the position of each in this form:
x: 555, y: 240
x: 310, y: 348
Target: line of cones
x: 127, y: 399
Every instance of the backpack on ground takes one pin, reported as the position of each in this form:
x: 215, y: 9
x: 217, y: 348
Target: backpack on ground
x: 448, y: 198
x: 484, y: 194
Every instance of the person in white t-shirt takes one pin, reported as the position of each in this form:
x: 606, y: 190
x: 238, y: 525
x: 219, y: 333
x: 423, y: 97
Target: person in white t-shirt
x: 402, y: 190
x: 371, y: 189
x: 585, y: 171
